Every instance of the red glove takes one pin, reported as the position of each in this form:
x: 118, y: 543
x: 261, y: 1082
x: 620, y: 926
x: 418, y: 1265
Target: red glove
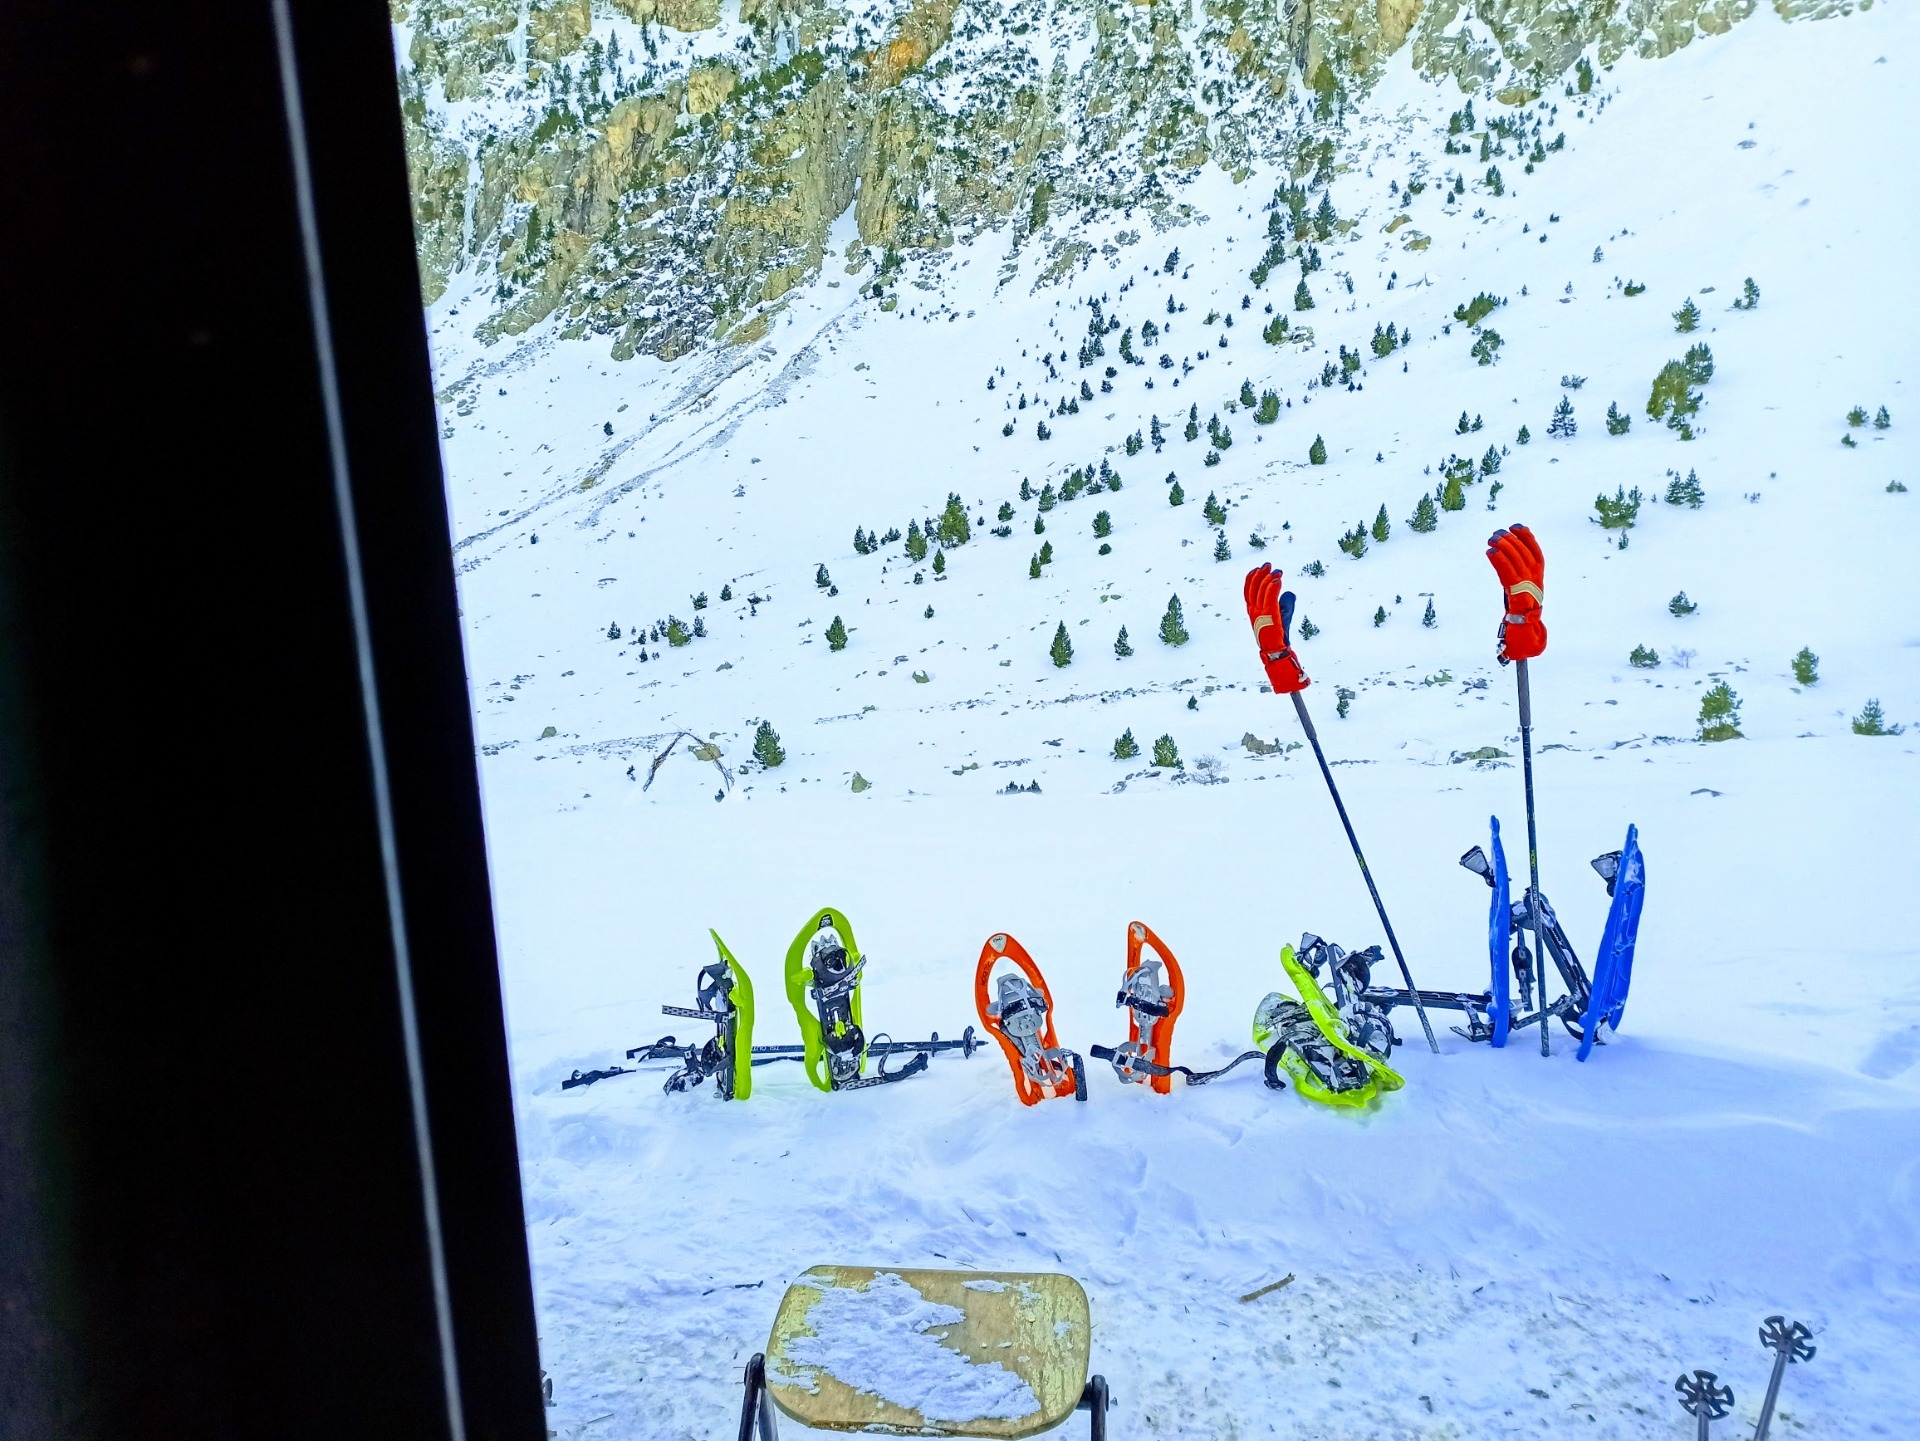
x: 1522, y: 568
x: 1272, y: 615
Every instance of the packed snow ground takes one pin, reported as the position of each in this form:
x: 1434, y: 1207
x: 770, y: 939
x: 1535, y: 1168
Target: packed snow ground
x: 1508, y: 1247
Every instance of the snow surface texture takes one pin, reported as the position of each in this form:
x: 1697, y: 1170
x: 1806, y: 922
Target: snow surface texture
x: 877, y: 1341
x: 1510, y: 1247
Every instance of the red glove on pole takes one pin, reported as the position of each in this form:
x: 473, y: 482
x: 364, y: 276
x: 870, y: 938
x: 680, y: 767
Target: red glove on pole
x: 1271, y: 612
x: 1522, y: 568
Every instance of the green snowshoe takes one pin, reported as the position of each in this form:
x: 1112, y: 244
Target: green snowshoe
x: 824, y: 962
x: 1311, y: 1044
x: 724, y: 996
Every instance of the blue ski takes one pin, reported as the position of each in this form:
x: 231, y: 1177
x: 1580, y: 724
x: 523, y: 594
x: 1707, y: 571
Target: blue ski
x: 1613, y: 966
x: 1499, y: 924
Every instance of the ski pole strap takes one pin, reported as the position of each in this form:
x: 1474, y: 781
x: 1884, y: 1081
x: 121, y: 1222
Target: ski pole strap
x: 1154, y: 1068
x: 587, y: 1078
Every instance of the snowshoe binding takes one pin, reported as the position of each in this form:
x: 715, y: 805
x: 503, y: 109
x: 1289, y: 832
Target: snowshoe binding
x: 1309, y: 1040
x: 1016, y: 1008
x: 1153, y: 1004
x: 824, y: 965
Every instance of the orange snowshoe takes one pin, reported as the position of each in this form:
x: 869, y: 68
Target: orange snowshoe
x: 1017, y: 1009
x: 1153, y: 1002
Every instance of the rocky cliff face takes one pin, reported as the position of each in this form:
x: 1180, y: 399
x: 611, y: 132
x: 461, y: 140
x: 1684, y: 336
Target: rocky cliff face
x: 662, y: 172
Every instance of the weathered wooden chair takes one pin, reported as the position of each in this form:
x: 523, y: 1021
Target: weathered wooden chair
x: 926, y: 1353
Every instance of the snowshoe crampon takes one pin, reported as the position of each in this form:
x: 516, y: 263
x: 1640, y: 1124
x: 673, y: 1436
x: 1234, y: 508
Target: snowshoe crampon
x: 1307, y: 1039
x: 723, y: 994
x: 824, y: 967
x: 1626, y: 876
x: 1016, y: 1008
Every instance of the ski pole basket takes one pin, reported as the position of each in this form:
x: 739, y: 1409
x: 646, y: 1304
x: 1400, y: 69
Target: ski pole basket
x: 996, y: 1354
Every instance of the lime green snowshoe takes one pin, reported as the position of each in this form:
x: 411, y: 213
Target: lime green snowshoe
x: 1325, y: 1066
x: 739, y: 1035
x: 824, y: 963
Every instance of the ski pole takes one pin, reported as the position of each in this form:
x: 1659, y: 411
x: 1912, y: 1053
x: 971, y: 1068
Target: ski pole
x: 1788, y: 1342
x: 1533, y: 847
x: 1517, y: 560
x: 1705, y: 1399
x: 1313, y: 739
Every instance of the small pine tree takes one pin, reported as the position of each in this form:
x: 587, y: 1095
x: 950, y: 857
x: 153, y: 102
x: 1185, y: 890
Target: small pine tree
x: 1166, y: 754
x: 1126, y: 747
x: 1173, y: 625
x: 821, y: 578
x: 1102, y: 525
x: 1134, y: 444
x: 726, y: 592
x: 1425, y: 518
x: 1563, y: 423
x: 1221, y: 550
x: 1382, y: 527
x: 1486, y: 349
x: 1490, y: 462
x: 1430, y: 620
x: 1643, y: 657
x: 1046, y: 552
x: 1317, y: 452
x: 1062, y: 648
x: 1302, y: 297
x: 1681, y: 606
x: 1523, y: 437
x: 837, y: 635
x: 766, y: 746
x: 1247, y: 398
x: 860, y: 546
x: 1215, y: 512
x: 1192, y: 431
x: 916, y: 545
x: 1872, y: 721
x: 954, y: 529
x: 1308, y: 630
x: 1806, y: 667
x: 1463, y: 424
x: 700, y: 627
x: 1005, y: 513
x: 1617, y: 423
x: 1268, y: 410
x: 1686, y: 319
x: 1275, y: 330
x: 1039, y: 525
x: 1379, y: 616
x: 1122, y: 647
x: 1026, y: 493
x: 677, y: 634
x: 1687, y: 492
x: 939, y: 562
x: 1354, y: 542
x: 1047, y: 498
x: 613, y: 631
x: 1720, y: 714
x: 1176, y: 496
x: 1750, y: 297
x: 1342, y: 701
x: 928, y: 613
x: 1453, y: 494
x: 1881, y: 420
x: 1033, y: 568
x: 1156, y: 435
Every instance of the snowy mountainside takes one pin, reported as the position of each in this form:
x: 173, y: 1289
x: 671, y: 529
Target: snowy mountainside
x: 1509, y: 1246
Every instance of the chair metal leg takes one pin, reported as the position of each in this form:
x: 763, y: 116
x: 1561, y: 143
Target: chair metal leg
x: 757, y: 1421
x: 1093, y: 1401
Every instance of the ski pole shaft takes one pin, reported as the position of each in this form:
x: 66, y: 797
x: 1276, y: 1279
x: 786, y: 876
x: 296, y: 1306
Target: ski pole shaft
x: 1533, y: 848
x: 1773, y: 1395
x: 1313, y: 739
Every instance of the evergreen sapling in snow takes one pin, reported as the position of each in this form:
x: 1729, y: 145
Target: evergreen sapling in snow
x: 1382, y: 527
x: 1806, y: 667
x: 1122, y: 647
x: 1425, y: 518
x: 1720, y: 714
x: 1643, y: 658
x: 1872, y: 721
x: 1126, y: 747
x: 1617, y: 423
x: 1166, y: 754
x: 1317, y: 452
x: 1563, y: 423
x: 837, y: 635
x: 766, y: 746
x: 1221, y: 550
x: 1173, y: 626
x: 1061, y: 651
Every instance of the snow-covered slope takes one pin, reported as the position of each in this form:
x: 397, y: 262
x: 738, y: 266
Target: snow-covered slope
x: 1509, y: 1246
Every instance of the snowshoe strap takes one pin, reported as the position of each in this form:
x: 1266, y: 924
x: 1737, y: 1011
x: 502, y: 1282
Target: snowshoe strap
x: 1157, y: 1009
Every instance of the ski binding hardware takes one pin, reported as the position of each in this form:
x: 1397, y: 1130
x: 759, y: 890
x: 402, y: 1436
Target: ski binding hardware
x: 1153, y: 1005
x: 1788, y: 1340
x: 1016, y: 1009
x: 1705, y: 1399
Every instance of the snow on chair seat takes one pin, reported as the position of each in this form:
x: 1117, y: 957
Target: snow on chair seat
x: 926, y: 1353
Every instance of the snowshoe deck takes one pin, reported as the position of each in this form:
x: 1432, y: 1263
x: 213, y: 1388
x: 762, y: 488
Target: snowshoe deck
x: 1499, y: 925
x: 1016, y: 1346
x: 1016, y: 1009
x: 1153, y: 1006
x: 1325, y: 1066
